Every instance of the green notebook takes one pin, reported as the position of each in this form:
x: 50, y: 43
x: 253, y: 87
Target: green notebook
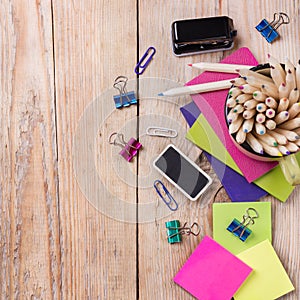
x: 204, y: 137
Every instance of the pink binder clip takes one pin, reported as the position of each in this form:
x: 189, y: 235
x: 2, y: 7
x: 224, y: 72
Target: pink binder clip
x: 129, y: 149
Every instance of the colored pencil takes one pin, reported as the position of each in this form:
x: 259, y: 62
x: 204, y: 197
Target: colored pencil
x: 291, y: 124
x: 267, y: 138
x: 260, y: 128
x: 234, y: 92
x: 270, y: 113
x: 270, y: 90
x: 277, y: 76
x: 281, y: 117
x: 294, y: 110
x: 283, y: 92
x: 247, y: 88
x: 261, y: 107
x: 219, y: 67
x: 259, y: 96
x: 260, y: 77
x: 280, y: 138
x: 270, y: 124
x: 293, y: 96
x: 249, y: 104
x: 276, y: 64
x: 236, y: 124
x: 271, y: 150
x: 238, y: 81
x: 248, y: 125
x: 240, y: 136
x: 238, y: 109
x: 290, y: 81
x: 290, y: 135
x: 298, y: 74
x: 254, y: 143
x: 243, y: 98
x: 249, y: 113
x: 260, y: 118
x: 283, y: 150
x: 271, y: 102
x: 283, y: 105
x: 197, y: 88
x: 292, y: 147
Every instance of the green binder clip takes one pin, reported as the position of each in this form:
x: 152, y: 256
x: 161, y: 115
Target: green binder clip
x: 174, y: 231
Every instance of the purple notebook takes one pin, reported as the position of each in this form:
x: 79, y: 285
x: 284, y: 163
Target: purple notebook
x: 236, y: 186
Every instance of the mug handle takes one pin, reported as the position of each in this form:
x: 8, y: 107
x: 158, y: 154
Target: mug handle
x: 290, y: 169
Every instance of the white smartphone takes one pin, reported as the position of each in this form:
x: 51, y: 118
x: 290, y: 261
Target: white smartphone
x: 183, y: 173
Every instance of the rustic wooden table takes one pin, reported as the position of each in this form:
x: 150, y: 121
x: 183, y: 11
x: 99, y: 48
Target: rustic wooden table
x: 76, y: 221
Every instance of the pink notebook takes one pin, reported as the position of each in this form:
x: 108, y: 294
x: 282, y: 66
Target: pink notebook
x: 211, y: 104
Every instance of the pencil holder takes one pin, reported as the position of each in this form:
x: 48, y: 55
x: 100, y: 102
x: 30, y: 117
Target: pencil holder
x: 262, y: 112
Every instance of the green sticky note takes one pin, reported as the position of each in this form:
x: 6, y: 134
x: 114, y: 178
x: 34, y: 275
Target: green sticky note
x: 223, y: 215
x: 269, y: 279
x: 204, y: 137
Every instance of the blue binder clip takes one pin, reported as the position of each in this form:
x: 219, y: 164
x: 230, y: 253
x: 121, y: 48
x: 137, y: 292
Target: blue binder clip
x: 240, y: 229
x: 269, y: 30
x: 124, y: 98
x: 171, y: 203
x: 174, y: 231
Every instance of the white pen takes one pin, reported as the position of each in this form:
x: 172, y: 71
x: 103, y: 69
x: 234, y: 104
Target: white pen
x: 219, y: 67
x: 198, y: 88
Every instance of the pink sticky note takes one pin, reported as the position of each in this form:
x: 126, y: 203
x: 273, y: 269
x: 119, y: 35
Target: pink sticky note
x: 211, y: 104
x: 212, y: 272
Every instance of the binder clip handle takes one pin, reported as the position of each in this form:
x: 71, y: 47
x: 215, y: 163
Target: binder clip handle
x: 171, y: 203
x: 186, y: 230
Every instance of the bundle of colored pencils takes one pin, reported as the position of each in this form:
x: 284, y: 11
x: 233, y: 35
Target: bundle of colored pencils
x: 264, y: 109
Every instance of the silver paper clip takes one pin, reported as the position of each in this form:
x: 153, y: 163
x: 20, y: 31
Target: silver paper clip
x: 171, y: 203
x: 160, y: 131
x: 141, y: 65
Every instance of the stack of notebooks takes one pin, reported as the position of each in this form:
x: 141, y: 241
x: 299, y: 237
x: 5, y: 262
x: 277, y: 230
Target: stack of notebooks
x: 244, y: 178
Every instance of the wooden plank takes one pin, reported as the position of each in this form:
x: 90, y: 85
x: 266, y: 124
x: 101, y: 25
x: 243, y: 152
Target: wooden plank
x: 161, y: 260
x: 29, y: 231
x: 95, y: 41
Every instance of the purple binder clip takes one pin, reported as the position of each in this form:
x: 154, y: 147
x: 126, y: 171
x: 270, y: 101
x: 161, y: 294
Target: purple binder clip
x: 129, y: 149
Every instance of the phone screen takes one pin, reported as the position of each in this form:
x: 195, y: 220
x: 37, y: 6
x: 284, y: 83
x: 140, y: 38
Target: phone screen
x: 183, y: 173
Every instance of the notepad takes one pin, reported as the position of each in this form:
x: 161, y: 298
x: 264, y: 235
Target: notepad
x: 223, y: 215
x: 269, y: 279
x: 204, y: 137
x: 211, y: 104
x: 236, y: 186
x: 212, y: 272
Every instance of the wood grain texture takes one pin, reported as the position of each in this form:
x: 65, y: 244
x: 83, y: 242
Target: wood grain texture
x: 76, y: 220
x: 30, y: 252
x: 94, y: 42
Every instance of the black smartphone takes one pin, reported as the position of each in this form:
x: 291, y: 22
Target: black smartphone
x: 183, y: 173
x: 202, y: 35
